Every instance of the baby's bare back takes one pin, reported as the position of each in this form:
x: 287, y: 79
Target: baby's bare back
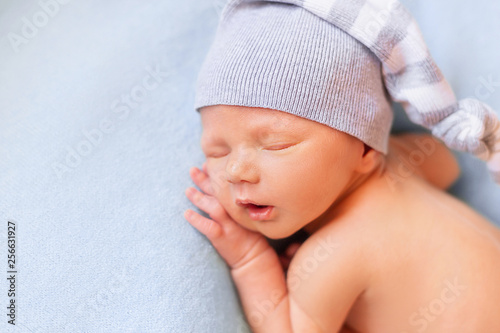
x: 433, y: 262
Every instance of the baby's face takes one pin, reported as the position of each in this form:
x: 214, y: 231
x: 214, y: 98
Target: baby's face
x: 272, y: 158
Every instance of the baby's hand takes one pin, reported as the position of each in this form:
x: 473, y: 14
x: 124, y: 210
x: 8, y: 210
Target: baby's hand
x: 236, y: 244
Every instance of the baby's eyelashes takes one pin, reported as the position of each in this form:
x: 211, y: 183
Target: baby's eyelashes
x: 279, y: 147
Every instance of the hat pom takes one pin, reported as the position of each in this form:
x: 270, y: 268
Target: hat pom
x: 474, y: 128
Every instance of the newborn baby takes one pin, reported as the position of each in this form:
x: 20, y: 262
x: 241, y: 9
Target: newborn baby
x: 295, y: 104
x: 389, y: 250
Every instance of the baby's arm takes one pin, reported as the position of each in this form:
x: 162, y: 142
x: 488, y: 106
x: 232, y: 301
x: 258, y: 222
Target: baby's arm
x: 427, y: 156
x: 317, y: 302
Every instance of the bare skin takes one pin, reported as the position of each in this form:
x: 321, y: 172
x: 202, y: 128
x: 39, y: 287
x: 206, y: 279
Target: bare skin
x: 391, y: 252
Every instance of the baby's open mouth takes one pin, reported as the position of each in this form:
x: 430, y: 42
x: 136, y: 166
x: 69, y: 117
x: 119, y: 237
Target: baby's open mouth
x: 247, y: 204
x: 256, y: 206
x: 257, y: 212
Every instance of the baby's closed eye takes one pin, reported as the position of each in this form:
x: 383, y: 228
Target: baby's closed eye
x: 280, y: 146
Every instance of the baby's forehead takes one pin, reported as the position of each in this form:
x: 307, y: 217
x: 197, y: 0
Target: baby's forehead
x: 255, y: 120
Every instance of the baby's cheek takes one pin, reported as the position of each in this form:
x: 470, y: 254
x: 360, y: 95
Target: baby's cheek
x: 222, y: 193
x: 217, y: 180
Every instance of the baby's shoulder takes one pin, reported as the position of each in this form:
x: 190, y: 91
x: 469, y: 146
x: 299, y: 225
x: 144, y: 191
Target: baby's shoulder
x: 333, y: 249
x: 353, y: 238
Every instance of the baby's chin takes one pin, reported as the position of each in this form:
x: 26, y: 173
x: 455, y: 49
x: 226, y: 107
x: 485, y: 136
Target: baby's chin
x: 270, y: 229
x: 278, y: 234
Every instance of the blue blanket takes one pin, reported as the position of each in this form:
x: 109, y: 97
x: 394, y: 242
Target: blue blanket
x: 97, y: 135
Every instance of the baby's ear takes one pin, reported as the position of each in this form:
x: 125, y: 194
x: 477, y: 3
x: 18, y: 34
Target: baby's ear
x: 369, y: 160
x: 367, y: 149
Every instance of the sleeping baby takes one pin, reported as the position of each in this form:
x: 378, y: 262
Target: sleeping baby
x: 294, y: 99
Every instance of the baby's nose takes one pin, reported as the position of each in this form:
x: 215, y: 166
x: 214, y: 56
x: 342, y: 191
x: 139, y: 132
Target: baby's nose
x: 242, y: 168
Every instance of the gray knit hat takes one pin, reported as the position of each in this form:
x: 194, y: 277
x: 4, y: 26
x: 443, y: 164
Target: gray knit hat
x: 341, y: 63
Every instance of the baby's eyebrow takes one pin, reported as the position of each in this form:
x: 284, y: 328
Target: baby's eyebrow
x: 266, y: 131
x: 260, y: 132
x: 209, y: 139
x: 276, y: 134
x: 280, y: 131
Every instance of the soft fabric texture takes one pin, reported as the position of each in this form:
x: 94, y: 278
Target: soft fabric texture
x: 266, y: 54
x: 97, y: 135
x: 105, y: 248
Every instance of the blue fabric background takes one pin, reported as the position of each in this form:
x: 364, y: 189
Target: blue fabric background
x: 96, y: 183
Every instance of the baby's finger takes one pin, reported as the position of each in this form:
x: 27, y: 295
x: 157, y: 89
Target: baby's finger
x: 201, y: 179
x: 208, y: 204
x: 208, y: 227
